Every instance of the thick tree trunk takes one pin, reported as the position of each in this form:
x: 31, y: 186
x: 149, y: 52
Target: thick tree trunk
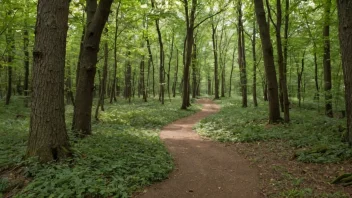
x: 48, y: 138
x: 88, y: 60
x: 274, y: 109
x: 326, y: 60
x: 345, y: 23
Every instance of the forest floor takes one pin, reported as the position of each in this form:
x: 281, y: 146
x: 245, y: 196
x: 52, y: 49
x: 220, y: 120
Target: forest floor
x: 295, y: 160
x: 204, y: 168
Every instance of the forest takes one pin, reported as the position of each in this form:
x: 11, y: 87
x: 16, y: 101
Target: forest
x: 175, y: 98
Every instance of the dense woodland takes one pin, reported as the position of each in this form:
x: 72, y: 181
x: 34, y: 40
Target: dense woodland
x: 69, y: 67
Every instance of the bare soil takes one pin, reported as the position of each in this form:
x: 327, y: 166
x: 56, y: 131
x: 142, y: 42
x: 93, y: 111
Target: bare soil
x: 203, y: 168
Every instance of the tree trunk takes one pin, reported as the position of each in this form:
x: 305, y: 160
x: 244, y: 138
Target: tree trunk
x: 274, y: 110
x: 232, y: 68
x: 282, y: 73
x: 190, y: 18
x: 175, y: 79
x: 326, y: 60
x: 48, y: 138
x: 88, y: 60
x: 113, y: 87
x: 194, y: 70
x: 254, y: 89
x: 105, y: 75
x: 169, y: 70
x: 26, y: 57
x: 345, y: 23
x: 161, y: 57
x: 242, y: 55
x: 150, y: 63
x: 216, y: 66
x: 299, y: 80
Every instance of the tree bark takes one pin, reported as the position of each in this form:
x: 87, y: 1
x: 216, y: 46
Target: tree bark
x: 105, y: 76
x: 274, y: 109
x: 232, y: 68
x: 175, y: 78
x: 326, y: 60
x: 88, y: 60
x: 344, y: 8
x: 254, y: 89
x: 194, y: 70
x: 242, y: 55
x: 190, y: 19
x: 161, y: 57
x: 114, y: 81
x: 26, y: 56
x: 48, y: 138
x: 216, y: 66
x: 282, y: 72
x: 169, y: 69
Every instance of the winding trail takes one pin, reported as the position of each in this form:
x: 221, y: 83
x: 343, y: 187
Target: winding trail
x: 204, y: 168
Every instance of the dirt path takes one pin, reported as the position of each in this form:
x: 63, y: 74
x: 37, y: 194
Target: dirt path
x: 204, y: 169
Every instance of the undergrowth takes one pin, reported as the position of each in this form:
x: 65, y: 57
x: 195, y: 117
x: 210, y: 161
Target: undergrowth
x: 316, y: 137
x: 123, y: 154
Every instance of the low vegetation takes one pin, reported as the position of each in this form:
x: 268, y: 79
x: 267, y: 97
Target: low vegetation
x: 300, y: 159
x: 123, y: 155
x: 316, y: 137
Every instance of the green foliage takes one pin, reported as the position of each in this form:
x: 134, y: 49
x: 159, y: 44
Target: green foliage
x: 317, y: 138
x: 123, y: 155
x: 308, y: 192
x: 4, y: 183
x: 14, y: 125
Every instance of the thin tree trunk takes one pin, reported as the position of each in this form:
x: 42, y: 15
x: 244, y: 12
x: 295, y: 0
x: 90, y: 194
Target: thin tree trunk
x: 113, y: 87
x: 232, y: 68
x: 10, y: 56
x: 194, y: 70
x: 161, y: 57
x: 254, y: 89
x: 326, y: 60
x: 26, y: 56
x: 176, y: 72
x: 169, y: 69
x: 215, y: 51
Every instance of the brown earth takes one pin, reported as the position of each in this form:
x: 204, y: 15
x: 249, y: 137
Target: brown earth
x: 204, y: 168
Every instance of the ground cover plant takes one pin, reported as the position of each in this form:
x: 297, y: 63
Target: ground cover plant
x: 299, y: 159
x: 123, y: 155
